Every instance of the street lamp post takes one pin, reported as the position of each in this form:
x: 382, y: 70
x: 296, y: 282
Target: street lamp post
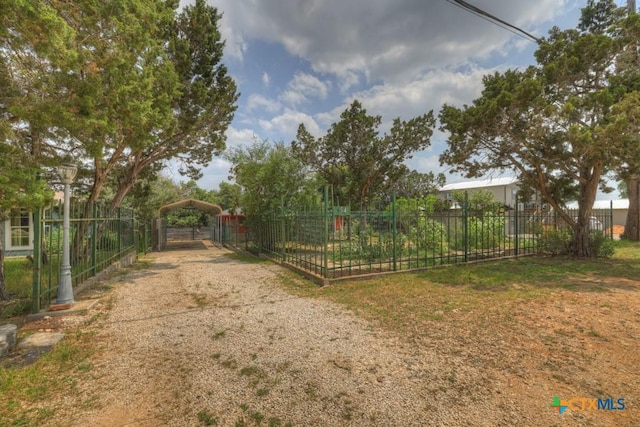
x: 65, y: 288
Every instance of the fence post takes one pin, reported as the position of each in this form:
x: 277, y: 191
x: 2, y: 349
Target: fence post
x: 611, y: 218
x: 283, y: 233
x: 325, y: 234
x: 94, y: 239
x: 394, y: 230
x: 135, y: 229
x: 37, y: 260
x: 517, y: 214
x: 119, y: 248
x: 465, y: 225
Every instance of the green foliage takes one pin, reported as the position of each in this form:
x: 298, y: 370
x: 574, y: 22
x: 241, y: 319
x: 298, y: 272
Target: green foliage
x: 229, y: 196
x: 272, y: 178
x: 602, y: 245
x: 430, y: 235
x: 559, y: 243
x: 486, y: 232
x: 355, y: 160
x: 534, y: 122
x: 153, y: 90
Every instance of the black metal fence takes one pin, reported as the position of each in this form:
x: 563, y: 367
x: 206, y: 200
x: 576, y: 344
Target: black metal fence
x: 99, y: 237
x: 334, y: 242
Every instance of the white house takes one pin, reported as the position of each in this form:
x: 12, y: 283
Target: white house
x: 17, y: 233
x: 504, y: 190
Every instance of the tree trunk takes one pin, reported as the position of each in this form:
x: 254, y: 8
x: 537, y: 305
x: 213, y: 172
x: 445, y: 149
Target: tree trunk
x: 581, y: 243
x: 632, y: 225
x: 3, y: 289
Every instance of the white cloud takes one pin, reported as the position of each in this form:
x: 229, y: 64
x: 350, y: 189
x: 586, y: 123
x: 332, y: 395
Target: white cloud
x: 240, y: 137
x: 429, y: 92
x: 257, y: 101
x: 287, y: 124
x: 266, y: 80
x: 304, y: 86
x: 383, y: 40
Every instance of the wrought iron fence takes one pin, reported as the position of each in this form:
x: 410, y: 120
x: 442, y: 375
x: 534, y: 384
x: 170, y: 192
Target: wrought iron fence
x: 99, y: 237
x: 334, y: 242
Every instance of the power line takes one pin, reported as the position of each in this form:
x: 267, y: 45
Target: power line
x: 494, y: 20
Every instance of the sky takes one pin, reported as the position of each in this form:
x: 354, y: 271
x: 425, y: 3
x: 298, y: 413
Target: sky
x: 305, y: 61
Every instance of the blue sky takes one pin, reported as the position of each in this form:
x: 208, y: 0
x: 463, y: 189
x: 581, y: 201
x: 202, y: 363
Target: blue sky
x: 305, y: 61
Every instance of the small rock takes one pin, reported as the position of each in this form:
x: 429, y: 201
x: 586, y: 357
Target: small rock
x: 7, y: 338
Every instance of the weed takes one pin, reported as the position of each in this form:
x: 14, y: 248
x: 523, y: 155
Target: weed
x: 257, y: 417
x: 261, y: 392
x: 207, y: 418
x: 215, y: 356
x: 219, y: 334
x: 250, y: 371
x: 199, y: 299
x: 594, y: 333
x: 229, y: 363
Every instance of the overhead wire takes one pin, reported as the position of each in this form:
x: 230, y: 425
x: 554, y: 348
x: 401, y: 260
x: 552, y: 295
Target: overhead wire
x: 494, y: 20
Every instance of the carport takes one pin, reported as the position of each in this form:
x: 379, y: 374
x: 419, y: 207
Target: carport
x: 161, y: 234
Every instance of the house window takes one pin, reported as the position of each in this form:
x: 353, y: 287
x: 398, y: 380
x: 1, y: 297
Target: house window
x: 20, y: 230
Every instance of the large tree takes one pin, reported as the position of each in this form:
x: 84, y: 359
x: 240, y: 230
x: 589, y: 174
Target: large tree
x: 271, y: 178
x: 627, y: 119
x: 118, y: 85
x: 352, y: 156
x: 548, y: 123
x: 203, y: 104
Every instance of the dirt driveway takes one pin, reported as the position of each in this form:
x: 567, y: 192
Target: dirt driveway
x: 199, y: 338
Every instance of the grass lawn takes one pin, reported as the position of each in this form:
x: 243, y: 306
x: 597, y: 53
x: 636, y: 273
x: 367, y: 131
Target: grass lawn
x: 523, y: 329
x: 399, y: 299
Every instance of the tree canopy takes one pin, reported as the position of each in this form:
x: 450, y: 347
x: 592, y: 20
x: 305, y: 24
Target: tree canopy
x: 354, y: 158
x: 271, y: 178
x: 549, y: 122
x: 118, y: 86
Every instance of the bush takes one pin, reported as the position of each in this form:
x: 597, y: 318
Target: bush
x: 556, y: 242
x: 602, y: 245
x: 559, y: 243
x: 487, y: 232
x: 430, y: 235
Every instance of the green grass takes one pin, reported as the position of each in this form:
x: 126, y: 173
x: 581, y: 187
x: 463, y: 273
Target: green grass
x: 18, y: 276
x: 431, y: 295
x: 207, y: 418
x: 24, y: 388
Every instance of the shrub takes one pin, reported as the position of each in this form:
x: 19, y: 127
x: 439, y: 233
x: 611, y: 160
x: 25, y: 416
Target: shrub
x: 430, y: 235
x: 602, y: 245
x: 556, y: 242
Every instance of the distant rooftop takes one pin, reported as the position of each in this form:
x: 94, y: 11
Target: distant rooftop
x: 491, y: 182
x: 604, y: 204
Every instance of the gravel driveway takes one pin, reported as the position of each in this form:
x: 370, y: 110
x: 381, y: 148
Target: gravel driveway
x: 201, y: 339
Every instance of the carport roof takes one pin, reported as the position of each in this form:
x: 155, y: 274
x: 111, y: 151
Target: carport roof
x: 209, y: 208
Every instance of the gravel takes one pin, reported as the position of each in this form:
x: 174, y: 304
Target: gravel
x: 199, y: 338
